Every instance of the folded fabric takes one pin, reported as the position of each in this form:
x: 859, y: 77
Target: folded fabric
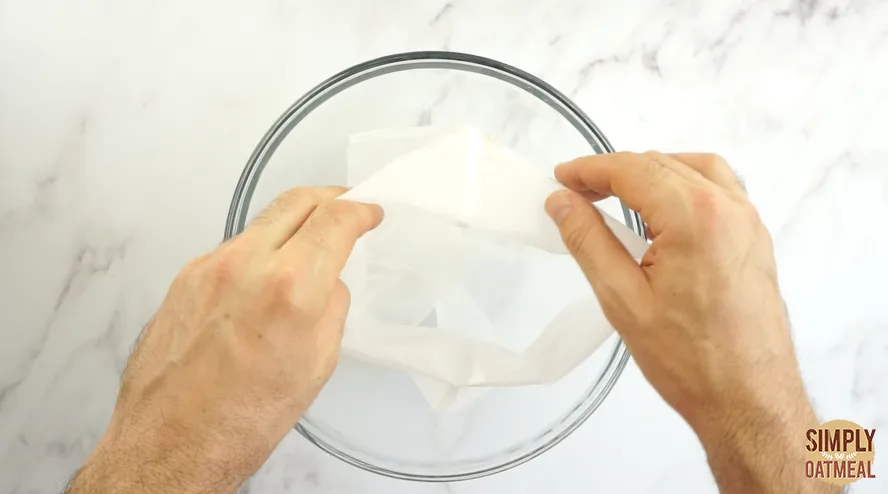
x: 466, y: 284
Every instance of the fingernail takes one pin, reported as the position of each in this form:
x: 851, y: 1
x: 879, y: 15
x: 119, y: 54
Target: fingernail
x: 559, y: 205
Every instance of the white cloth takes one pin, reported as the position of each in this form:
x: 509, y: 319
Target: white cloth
x: 463, y: 285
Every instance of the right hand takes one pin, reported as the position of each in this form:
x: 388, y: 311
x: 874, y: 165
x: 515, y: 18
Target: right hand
x: 702, y: 314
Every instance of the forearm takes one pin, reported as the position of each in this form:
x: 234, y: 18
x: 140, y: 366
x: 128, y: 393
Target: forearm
x: 152, y: 467
x: 758, y: 448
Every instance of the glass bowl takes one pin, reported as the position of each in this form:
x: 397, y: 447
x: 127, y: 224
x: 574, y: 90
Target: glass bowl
x: 375, y: 418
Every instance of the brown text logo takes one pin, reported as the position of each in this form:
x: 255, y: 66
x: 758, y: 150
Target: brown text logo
x: 840, y: 452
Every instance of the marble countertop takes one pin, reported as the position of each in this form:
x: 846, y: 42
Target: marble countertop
x: 124, y: 127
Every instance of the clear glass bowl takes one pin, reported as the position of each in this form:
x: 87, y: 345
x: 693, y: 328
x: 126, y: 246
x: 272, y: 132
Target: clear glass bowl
x: 375, y: 418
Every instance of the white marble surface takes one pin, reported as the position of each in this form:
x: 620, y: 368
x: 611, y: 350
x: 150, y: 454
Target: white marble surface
x: 124, y: 126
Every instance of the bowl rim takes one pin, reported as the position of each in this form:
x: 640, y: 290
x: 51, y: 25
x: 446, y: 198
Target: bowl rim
x: 376, y: 67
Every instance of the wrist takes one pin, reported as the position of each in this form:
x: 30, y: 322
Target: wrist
x: 754, y: 440
x: 766, y: 392
x: 772, y: 409
x: 759, y: 423
x: 160, y: 461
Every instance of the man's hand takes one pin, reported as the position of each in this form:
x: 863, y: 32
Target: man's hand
x: 240, y: 347
x: 702, y: 314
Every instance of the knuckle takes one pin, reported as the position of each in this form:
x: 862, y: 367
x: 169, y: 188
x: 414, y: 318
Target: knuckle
x: 653, y: 155
x: 716, y: 165
x: 223, y: 266
x: 305, y: 304
x: 750, y: 215
x: 758, y: 226
x: 709, y: 206
x: 575, y: 237
x: 287, y: 287
x: 626, y: 155
x: 705, y: 200
x: 224, y: 263
x: 749, y: 211
x: 193, y: 272
x: 718, y: 213
x: 343, y: 293
x: 715, y: 160
x: 281, y: 284
x: 193, y: 266
x: 330, y: 361
x: 653, y: 165
x: 709, y: 164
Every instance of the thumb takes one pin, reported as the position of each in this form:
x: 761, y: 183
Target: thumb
x: 617, y: 280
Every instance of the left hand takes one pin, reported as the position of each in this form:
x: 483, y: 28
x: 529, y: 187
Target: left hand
x: 245, y: 339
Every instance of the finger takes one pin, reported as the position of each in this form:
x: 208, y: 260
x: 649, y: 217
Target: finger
x: 714, y: 168
x: 280, y: 219
x: 679, y: 168
x: 642, y: 183
x: 592, y: 196
x: 322, y: 245
x: 617, y: 280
